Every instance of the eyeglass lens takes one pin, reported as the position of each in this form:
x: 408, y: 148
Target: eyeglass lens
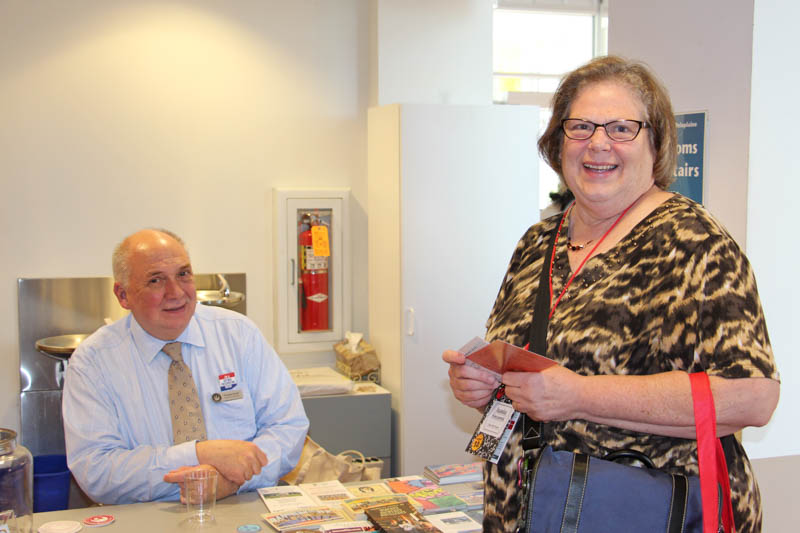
x: 617, y: 130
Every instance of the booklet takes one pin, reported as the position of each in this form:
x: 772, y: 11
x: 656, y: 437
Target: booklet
x: 500, y: 356
x: 305, y: 518
x: 331, y: 493
x: 454, y: 473
x: 455, y: 522
x: 284, y: 498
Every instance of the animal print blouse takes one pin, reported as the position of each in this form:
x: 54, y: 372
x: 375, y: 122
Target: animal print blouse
x: 676, y: 293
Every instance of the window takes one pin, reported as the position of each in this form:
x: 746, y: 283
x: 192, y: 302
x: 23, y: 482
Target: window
x: 535, y: 43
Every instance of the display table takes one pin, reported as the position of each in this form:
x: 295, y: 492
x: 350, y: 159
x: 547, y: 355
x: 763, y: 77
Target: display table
x: 158, y: 517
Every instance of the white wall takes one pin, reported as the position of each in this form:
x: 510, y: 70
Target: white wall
x: 701, y: 51
x: 772, y: 203
x: 431, y: 52
x: 119, y: 114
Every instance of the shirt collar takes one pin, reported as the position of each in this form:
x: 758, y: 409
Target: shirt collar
x: 149, y: 346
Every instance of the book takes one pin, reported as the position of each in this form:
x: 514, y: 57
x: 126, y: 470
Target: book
x: 469, y: 491
x: 454, y: 473
x: 306, y: 518
x: 408, y: 484
x: 284, y: 498
x: 331, y: 493
x: 368, y: 488
x: 399, y: 518
x: 455, y: 522
x: 426, y: 494
x: 355, y: 507
x: 437, y: 500
x: 348, y: 527
x: 499, y: 357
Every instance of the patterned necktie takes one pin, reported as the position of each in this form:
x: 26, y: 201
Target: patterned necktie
x: 184, y: 403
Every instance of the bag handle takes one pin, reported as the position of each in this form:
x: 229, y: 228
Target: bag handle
x: 711, y: 458
x: 354, y: 456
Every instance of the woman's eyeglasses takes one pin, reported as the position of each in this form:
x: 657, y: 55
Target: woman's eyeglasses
x: 617, y: 130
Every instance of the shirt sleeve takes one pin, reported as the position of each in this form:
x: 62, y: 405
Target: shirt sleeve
x: 281, y: 422
x: 99, y: 455
x: 733, y: 338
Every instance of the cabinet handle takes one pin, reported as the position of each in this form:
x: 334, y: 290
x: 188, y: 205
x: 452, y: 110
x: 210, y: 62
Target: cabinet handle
x: 291, y: 269
x: 410, y: 321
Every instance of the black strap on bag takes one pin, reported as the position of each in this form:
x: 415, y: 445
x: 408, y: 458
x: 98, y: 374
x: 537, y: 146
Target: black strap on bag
x: 532, y: 437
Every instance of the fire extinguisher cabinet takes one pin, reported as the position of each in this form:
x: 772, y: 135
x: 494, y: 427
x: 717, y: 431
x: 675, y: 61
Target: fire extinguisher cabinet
x: 312, y: 278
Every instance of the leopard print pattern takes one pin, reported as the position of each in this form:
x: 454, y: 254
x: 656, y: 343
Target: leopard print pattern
x: 676, y: 293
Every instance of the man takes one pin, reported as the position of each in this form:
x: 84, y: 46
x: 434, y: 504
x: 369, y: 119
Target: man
x: 125, y: 420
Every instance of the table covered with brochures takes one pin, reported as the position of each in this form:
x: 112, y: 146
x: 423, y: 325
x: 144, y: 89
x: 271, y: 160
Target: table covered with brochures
x: 273, y: 509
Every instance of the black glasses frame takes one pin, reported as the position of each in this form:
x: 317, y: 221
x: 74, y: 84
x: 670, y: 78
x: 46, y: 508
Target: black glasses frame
x: 642, y: 124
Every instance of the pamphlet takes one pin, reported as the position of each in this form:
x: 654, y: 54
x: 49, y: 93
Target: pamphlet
x: 499, y: 356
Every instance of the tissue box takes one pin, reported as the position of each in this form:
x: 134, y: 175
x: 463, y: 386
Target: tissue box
x: 359, y: 365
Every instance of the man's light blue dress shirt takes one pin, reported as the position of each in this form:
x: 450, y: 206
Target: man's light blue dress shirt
x: 116, y: 409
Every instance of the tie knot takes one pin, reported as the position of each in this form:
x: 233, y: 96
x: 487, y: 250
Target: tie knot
x: 173, y: 349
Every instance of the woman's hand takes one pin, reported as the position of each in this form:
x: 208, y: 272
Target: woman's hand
x: 552, y: 394
x: 471, y: 386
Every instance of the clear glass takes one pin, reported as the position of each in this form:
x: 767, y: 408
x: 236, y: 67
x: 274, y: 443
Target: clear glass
x: 16, y: 481
x: 200, y: 492
x: 314, y: 269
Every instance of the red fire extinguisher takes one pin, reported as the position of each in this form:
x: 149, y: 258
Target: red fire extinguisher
x: 313, y: 285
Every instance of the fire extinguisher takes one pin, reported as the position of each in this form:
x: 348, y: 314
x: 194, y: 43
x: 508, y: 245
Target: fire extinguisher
x: 313, y: 281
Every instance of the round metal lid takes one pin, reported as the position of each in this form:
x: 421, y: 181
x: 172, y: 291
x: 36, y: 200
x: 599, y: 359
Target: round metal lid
x: 60, y: 346
x: 219, y: 298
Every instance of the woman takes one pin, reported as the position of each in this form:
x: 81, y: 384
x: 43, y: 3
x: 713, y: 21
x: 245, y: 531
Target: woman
x: 659, y: 290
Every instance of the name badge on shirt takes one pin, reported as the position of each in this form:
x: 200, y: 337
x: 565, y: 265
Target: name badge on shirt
x: 227, y: 388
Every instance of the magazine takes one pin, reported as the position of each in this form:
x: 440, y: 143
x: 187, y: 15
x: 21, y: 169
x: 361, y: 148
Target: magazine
x: 331, y: 493
x: 455, y: 522
x: 285, y: 498
x: 454, y: 473
x: 368, y: 488
x: 348, y: 527
x: 355, y: 508
x: 469, y: 491
x: 306, y: 518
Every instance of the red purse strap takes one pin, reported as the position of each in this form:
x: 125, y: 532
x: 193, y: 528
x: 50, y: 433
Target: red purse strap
x: 711, y: 458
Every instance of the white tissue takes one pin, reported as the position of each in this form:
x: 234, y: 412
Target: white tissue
x: 353, y: 338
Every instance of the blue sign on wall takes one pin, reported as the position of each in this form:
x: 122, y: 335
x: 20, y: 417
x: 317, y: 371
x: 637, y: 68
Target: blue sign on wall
x: 691, y: 155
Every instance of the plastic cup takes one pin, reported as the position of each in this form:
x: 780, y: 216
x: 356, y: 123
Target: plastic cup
x: 8, y: 521
x: 200, y: 492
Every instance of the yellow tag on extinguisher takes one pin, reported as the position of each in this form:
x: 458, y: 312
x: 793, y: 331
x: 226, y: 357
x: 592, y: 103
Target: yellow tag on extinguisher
x: 319, y: 241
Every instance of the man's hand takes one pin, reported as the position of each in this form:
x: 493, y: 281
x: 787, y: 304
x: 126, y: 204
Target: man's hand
x: 225, y: 487
x: 237, y: 460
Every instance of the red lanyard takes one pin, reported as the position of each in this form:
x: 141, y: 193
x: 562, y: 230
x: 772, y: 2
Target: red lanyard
x: 553, y: 257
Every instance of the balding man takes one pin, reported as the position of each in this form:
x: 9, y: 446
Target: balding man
x: 127, y: 435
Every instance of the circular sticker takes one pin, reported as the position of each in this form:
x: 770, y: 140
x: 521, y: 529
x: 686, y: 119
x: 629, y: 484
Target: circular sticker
x: 248, y: 528
x: 60, y: 526
x: 98, y: 520
x: 217, y: 397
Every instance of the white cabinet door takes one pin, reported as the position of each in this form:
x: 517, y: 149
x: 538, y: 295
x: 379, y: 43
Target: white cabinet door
x: 468, y: 191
